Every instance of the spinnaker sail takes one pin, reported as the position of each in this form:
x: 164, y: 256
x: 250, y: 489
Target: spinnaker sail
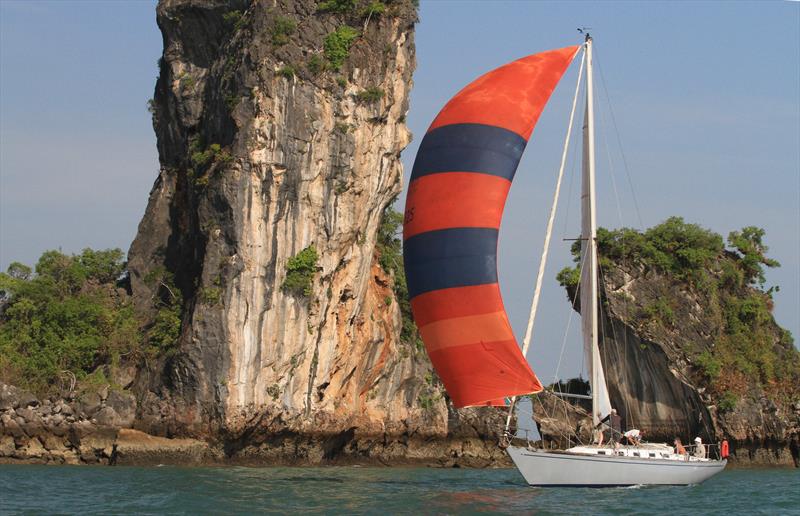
x: 459, y: 184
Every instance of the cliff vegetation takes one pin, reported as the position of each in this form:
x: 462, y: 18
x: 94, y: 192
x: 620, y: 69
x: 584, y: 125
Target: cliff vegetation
x: 63, y: 319
x: 689, y: 342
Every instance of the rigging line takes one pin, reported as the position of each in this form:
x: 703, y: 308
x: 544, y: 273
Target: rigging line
x: 600, y: 268
x: 619, y: 142
x: 569, y: 321
x: 549, y: 232
x: 572, y: 175
x: 603, y: 276
x: 619, y: 211
x: 604, y: 132
x: 543, y: 262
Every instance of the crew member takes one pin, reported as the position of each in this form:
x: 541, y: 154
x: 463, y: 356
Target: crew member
x: 614, y: 423
x: 699, y: 448
x: 633, y: 437
x: 679, y: 449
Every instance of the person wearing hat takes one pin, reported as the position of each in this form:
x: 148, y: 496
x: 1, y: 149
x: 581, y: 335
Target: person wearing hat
x: 699, y: 449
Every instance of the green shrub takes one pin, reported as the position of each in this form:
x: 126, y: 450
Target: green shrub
x: 210, y: 295
x: 709, y: 365
x: 274, y: 391
x: 300, y: 270
x: 373, y: 8
x: 336, y: 6
x: 286, y: 71
x: 164, y: 332
x: 316, y: 64
x: 749, y: 245
x: 234, y: 20
x: 337, y: 45
x: 64, y: 320
x: 232, y: 100
x: 370, y: 95
x: 427, y: 401
x: 166, y: 328
x: 186, y: 81
x: 282, y: 28
x: 661, y: 311
x: 728, y: 401
x: 390, y: 258
x: 569, y: 277
x: 214, y: 153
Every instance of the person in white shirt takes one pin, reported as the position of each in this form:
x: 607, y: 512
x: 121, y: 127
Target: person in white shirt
x: 699, y: 449
x: 633, y: 437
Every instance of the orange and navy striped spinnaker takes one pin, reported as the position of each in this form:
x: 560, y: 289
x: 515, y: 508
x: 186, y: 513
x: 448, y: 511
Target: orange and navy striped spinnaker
x: 455, y: 201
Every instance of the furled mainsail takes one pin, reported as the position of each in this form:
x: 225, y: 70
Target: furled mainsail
x: 459, y: 183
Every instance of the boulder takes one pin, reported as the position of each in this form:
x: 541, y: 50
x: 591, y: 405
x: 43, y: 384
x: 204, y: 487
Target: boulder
x: 13, y: 428
x: 7, y: 446
x: 62, y: 407
x: 33, y: 449
x: 26, y: 399
x: 103, y: 392
x: 60, y: 430
x: 89, y: 403
x: 12, y: 397
x: 77, y: 431
x: 106, y: 416
x: 53, y: 443
x: 9, y: 397
x: 124, y: 405
x: 27, y: 414
x: 122, y: 375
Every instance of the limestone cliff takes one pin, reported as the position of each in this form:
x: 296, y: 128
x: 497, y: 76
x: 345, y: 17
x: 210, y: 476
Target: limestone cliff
x: 280, y: 126
x: 689, y: 344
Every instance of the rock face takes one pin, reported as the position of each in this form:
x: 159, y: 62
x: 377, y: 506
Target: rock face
x: 655, y: 377
x: 267, y: 148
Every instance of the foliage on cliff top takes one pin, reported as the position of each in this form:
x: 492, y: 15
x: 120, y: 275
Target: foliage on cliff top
x: 750, y: 348
x: 683, y: 250
x: 390, y: 252
x: 66, y: 318
x: 300, y: 270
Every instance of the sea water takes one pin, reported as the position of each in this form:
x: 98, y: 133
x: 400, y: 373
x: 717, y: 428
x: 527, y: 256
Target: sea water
x: 369, y: 490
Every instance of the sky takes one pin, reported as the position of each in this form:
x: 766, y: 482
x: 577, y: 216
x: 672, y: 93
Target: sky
x: 704, y: 96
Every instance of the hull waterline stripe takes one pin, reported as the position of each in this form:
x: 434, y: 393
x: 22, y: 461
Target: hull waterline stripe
x: 651, y: 462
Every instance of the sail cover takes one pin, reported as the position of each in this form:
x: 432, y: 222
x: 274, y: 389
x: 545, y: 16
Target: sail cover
x: 459, y: 183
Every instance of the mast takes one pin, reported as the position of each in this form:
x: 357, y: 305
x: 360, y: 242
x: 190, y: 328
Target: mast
x: 589, y: 273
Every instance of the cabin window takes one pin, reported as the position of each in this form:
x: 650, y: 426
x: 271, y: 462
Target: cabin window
x: 601, y: 453
x: 636, y: 454
x: 652, y: 455
x: 620, y: 453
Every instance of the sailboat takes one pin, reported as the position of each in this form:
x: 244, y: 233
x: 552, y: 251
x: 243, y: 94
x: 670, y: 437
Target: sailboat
x: 459, y: 183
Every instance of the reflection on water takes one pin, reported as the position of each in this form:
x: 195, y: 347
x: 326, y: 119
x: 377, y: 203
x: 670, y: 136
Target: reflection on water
x: 351, y: 490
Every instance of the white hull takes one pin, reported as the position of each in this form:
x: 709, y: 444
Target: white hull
x: 548, y: 468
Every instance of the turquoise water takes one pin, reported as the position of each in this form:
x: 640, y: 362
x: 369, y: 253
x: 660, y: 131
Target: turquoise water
x: 353, y: 490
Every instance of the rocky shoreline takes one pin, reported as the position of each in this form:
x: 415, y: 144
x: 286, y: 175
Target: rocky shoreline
x: 97, y: 428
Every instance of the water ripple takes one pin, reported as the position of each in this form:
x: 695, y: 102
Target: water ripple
x: 380, y: 491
